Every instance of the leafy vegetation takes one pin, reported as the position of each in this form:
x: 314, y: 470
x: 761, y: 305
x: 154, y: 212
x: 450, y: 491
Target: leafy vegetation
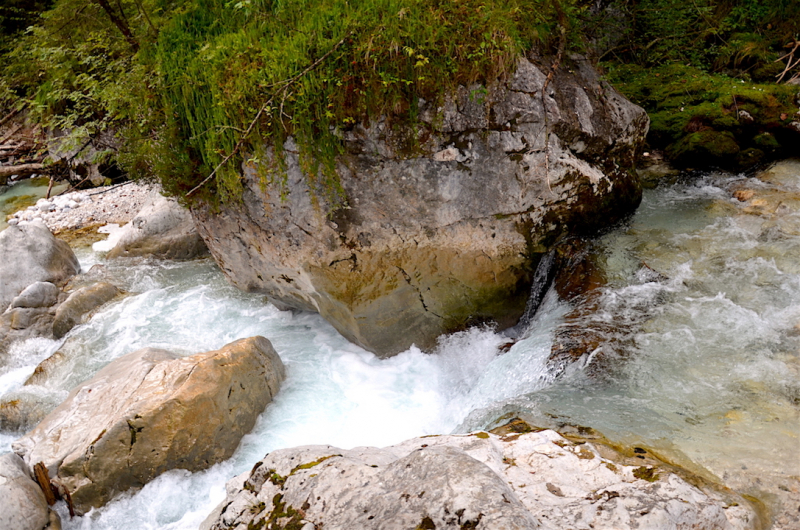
x: 196, y: 88
x: 186, y: 81
x: 706, y: 73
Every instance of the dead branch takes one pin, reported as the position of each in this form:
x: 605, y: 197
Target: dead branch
x: 562, y: 41
x: 11, y: 133
x: 791, y: 63
x: 22, y: 169
x: 9, y: 116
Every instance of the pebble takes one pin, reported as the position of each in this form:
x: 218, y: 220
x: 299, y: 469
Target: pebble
x: 70, y: 211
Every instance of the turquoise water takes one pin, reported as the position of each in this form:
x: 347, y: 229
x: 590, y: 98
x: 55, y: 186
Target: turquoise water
x: 701, y: 365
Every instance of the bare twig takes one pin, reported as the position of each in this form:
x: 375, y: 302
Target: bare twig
x: 10, y: 134
x: 282, y: 91
x: 8, y: 117
x: 556, y: 62
x: 791, y: 63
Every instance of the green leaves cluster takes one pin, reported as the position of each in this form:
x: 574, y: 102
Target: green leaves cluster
x: 741, y: 36
x: 182, y: 97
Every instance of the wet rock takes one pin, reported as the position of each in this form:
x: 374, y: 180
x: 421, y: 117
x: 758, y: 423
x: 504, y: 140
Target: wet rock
x: 151, y: 411
x: 444, y: 233
x: 482, y: 481
x: 704, y: 148
x: 79, y: 303
x: 162, y: 229
x: 22, y: 411
x: 22, y: 503
x: 32, y: 254
x: 38, y: 294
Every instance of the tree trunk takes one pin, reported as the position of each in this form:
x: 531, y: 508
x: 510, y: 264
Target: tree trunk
x: 22, y: 169
x: 120, y: 23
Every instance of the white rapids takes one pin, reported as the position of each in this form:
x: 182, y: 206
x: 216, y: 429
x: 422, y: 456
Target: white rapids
x: 709, y: 375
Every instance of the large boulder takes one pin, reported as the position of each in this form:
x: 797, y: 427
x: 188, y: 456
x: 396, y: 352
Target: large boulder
x: 442, y: 223
x: 478, y: 481
x: 22, y: 503
x: 79, y: 303
x: 151, y: 411
x: 32, y: 254
x: 162, y: 229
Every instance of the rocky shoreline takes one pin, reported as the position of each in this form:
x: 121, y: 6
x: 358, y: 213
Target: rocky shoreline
x: 536, y: 478
x: 75, y: 210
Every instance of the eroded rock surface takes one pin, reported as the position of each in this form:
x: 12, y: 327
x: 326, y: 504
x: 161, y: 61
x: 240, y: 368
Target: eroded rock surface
x: 22, y: 503
x: 442, y: 231
x: 150, y: 411
x: 32, y: 254
x: 162, y: 229
x: 479, y: 481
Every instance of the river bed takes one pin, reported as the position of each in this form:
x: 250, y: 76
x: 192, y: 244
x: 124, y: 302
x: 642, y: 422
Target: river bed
x: 702, y: 363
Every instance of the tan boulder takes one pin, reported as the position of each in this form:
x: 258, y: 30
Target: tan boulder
x: 82, y: 301
x: 151, y: 411
x: 32, y: 254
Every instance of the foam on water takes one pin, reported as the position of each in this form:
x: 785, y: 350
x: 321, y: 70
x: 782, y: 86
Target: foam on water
x: 335, y: 393
x: 700, y: 361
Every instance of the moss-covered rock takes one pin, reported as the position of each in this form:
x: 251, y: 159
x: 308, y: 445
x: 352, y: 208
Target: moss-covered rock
x: 705, y: 120
x: 704, y: 148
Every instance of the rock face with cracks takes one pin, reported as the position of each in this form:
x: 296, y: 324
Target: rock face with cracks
x: 479, y: 481
x: 151, y: 411
x: 441, y: 222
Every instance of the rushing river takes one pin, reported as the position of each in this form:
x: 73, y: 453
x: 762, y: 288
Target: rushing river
x: 701, y: 362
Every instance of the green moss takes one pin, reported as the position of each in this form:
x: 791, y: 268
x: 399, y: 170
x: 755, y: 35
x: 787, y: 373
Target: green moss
x: 700, y: 148
x: 482, y: 435
x: 705, y: 119
x: 646, y: 473
x: 309, y: 465
x: 314, y: 69
x: 766, y: 141
x: 275, y: 478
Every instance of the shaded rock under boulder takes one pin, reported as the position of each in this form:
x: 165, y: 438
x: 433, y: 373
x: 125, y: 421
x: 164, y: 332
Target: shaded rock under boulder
x: 151, y: 411
x: 479, y: 481
x: 443, y: 224
x: 37, y: 294
x: 79, y: 303
x: 32, y: 254
x: 22, y: 503
x: 162, y: 229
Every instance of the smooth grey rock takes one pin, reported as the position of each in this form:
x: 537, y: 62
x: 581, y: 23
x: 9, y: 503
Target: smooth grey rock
x: 22, y: 503
x: 32, y: 254
x: 444, y: 232
x: 151, y: 411
x: 479, y: 481
x: 162, y: 229
x: 38, y: 294
x: 82, y: 301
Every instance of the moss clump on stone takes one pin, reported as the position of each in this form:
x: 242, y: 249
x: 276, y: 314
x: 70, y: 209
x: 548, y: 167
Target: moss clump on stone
x: 646, y: 473
x: 703, y: 119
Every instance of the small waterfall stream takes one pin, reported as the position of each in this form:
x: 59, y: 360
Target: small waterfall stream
x: 702, y: 366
